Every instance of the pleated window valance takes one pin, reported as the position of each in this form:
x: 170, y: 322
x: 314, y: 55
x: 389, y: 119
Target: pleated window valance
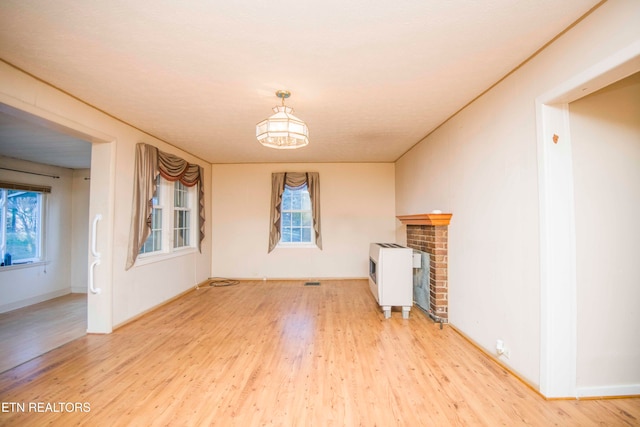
x: 149, y: 163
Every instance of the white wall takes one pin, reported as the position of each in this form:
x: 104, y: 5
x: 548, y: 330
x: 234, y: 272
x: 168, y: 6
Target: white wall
x: 126, y: 294
x: 80, y: 229
x: 146, y: 286
x: 357, y: 204
x: 481, y: 166
x: 605, y: 136
x: 30, y: 284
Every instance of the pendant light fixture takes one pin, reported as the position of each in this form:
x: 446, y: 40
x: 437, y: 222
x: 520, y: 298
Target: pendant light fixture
x: 282, y: 130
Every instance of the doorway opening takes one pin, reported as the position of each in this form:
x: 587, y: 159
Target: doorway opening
x: 45, y: 299
x: 558, y: 283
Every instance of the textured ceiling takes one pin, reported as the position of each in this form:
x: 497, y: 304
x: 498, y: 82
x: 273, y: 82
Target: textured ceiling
x: 26, y: 140
x: 370, y: 78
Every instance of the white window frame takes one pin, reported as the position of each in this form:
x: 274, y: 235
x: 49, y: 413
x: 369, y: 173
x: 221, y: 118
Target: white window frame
x: 40, y: 230
x: 158, y: 206
x: 166, y: 203
x: 305, y: 244
x: 181, y: 190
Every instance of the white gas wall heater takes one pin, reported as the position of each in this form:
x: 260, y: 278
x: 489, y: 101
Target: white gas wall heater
x: 391, y: 276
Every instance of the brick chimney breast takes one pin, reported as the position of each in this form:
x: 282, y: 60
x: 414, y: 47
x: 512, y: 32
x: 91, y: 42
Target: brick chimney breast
x: 430, y: 233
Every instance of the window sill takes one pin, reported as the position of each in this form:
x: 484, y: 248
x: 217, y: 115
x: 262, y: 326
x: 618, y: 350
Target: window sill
x: 163, y: 256
x: 296, y: 246
x: 23, y: 265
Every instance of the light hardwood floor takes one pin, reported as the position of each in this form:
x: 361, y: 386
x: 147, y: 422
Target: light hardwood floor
x: 28, y: 332
x: 280, y: 353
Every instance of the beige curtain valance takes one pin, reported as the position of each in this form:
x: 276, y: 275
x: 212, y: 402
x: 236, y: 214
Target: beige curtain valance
x: 293, y: 180
x: 149, y: 163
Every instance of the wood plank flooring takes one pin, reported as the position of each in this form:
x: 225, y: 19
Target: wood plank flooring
x: 28, y: 332
x: 282, y: 354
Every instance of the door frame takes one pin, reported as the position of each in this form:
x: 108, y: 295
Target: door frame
x: 102, y: 196
x: 558, y: 288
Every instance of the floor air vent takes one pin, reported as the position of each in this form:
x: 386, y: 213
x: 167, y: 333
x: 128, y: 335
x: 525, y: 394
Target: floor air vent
x: 312, y: 284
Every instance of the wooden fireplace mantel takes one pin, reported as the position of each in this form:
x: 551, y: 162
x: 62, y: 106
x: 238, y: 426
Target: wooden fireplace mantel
x: 426, y: 219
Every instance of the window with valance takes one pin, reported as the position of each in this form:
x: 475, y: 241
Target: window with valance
x: 293, y: 180
x: 149, y: 163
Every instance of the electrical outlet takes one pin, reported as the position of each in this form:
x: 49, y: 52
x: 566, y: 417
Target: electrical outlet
x: 502, y: 350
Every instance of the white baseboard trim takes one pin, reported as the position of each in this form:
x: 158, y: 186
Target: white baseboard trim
x: 610, y: 391
x: 288, y: 279
x: 33, y: 300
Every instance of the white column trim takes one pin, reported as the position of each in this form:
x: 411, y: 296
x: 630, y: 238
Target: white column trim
x: 557, y: 253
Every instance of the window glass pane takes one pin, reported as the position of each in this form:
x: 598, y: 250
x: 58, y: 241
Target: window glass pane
x: 296, y: 234
x: 296, y: 200
x: 180, y: 195
x: 181, y: 228
x: 286, y: 235
x: 157, y: 240
x: 296, y: 218
x: 306, y: 234
x: 306, y: 201
x: 155, y: 200
x: 181, y: 238
x: 154, y: 241
x: 286, y: 219
x: 156, y: 218
x: 286, y: 199
x: 22, y: 224
x: 306, y: 219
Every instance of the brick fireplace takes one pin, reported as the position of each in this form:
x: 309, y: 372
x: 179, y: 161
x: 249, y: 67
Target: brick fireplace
x: 429, y: 233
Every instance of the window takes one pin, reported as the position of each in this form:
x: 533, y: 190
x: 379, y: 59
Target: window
x: 21, y: 230
x: 170, y: 222
x: 181, y: 215
x: 297, y: 218
x: 154, y: 241
x: 294, y: 217
x: 179, y: 230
